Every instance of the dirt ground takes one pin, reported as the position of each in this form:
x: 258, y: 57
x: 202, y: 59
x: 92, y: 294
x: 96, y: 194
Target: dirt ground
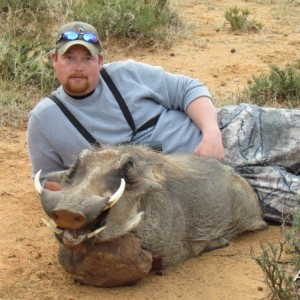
x: 28, y: 263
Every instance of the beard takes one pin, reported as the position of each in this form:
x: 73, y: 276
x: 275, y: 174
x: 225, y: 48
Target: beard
x: 75, y: 87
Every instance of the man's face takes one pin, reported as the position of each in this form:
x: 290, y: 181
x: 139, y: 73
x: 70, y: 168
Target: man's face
x: 77, y: 70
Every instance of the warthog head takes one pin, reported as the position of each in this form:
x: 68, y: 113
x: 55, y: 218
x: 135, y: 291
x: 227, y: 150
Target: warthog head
x: 94, y: 184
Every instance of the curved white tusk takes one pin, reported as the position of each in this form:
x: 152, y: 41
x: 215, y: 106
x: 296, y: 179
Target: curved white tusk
x: 117, y: 195
x: 52, y: 226
x: 37, y: 182
x: 95, y: 232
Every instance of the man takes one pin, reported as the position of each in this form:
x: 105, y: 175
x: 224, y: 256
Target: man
x: 148, y: 91
x: 185, y: 117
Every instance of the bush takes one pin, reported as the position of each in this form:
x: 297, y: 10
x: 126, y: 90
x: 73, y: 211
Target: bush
x: 277, y: 275
x: 239, y: 19
x: 281, y: 87
x: 281, y: 262
x: 142, y: 23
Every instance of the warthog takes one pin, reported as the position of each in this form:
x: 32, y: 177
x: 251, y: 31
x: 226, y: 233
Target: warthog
x: 126, y: 209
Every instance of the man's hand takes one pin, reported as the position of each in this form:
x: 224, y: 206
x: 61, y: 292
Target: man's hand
x: 211, y: 145
x: 203, y: 113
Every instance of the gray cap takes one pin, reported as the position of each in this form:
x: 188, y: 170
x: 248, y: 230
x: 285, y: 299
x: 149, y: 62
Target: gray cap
x: 81, y: 28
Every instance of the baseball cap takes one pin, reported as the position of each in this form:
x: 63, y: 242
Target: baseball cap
x: 78, y: 33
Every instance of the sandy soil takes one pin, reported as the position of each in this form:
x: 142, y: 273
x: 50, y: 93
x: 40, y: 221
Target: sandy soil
x: 28, y: 263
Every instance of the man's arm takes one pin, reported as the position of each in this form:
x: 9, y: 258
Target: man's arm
x: 203, y: 113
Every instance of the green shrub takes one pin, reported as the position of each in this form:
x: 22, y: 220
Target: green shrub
x: 281, y: 87
x: 26, y: 64
x: 21, y: 5
x: 297, y: 64
x: 144, y: 22
x: 26, y: 43
x: 280, y: 262
x: 239, y: 19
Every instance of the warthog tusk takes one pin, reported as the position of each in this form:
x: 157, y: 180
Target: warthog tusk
x: 116, y: 196
x: 37, y: 182
x: 52, y: 226
x: 95, y: 232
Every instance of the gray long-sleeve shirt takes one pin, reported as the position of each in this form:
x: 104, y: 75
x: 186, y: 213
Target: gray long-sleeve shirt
x: 54, y: 142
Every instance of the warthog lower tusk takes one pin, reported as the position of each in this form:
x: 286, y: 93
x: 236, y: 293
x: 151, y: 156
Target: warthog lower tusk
x: 37, y: 182
x: 117, y: 195
x: 52, y: 226
x: 95, y: 232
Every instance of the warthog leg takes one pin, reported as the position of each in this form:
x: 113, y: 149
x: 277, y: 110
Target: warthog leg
x: 204, y: 246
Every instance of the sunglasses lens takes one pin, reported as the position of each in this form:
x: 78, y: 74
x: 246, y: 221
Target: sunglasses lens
x: 73, y: 35
x: 90, y: 37
x: 70, y: 35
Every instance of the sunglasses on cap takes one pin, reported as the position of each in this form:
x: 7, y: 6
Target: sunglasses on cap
x: 73, y: 35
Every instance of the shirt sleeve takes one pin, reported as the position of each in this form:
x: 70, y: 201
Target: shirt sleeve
x: 174, y: 91
x: 42, y: 155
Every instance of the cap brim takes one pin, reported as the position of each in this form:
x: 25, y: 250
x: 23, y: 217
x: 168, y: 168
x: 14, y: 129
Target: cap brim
x: 94, y: 50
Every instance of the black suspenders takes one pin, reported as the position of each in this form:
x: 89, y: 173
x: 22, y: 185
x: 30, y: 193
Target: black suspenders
x: 121, y: 103
x: 124, y: 106
x: 74, y: 121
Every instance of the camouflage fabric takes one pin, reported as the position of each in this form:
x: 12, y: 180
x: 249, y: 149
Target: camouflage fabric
x: 263, y: 145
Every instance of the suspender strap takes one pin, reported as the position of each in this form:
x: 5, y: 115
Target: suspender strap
x: 74, y: 121
x: 124, y: 106
x: 148, y: 124
x: 119, y: 99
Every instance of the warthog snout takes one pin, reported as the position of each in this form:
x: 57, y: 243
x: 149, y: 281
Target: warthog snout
x: 68, y: 218
x: 71, y: 211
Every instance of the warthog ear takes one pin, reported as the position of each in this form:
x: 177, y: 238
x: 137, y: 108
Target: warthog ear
x: 154, y: 176
x: 144, y: 175
x: 157, y: 171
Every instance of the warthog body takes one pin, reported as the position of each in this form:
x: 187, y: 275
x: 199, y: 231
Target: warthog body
x: 173, y: 207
